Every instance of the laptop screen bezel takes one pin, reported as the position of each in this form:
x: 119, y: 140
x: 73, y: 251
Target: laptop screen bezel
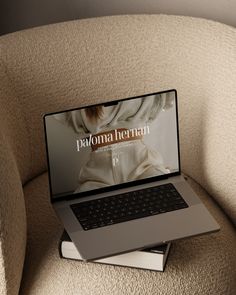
x: 63, y: 196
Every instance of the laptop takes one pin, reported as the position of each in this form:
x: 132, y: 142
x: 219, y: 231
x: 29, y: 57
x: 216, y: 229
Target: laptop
x: 115, y: 176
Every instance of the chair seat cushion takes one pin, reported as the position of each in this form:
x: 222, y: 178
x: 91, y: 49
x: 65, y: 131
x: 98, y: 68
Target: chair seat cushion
x: 198, y: 265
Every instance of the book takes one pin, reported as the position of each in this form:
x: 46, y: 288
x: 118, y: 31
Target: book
x: 153, y: 258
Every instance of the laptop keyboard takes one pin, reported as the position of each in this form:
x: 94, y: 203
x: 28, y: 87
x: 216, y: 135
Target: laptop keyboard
x: 128, y: 206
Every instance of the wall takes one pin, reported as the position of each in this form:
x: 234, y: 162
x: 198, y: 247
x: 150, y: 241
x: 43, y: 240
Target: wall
x: 16, y: 15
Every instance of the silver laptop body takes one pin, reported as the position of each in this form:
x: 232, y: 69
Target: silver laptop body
x: 116, y: 149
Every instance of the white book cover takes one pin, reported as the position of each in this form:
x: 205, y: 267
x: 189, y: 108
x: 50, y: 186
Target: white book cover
x: 152, y: 258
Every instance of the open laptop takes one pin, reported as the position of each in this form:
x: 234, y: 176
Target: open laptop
x: 115, y: 177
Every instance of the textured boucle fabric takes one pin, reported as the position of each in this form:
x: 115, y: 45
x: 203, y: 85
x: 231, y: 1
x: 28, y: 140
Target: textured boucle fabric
x: 201, y: 265
x: 12, y: 221
x: 71, y: 64
x: 12, y: 207
x: 75, y: 63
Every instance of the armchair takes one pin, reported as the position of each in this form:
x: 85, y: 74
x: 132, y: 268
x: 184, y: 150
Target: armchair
x: 75, y: 63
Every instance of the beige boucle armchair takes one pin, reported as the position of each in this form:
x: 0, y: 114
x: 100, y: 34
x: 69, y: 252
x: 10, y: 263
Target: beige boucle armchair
x: 71, y: 64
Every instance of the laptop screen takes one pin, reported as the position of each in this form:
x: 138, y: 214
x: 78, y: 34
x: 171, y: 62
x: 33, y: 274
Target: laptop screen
x: 102, y: 147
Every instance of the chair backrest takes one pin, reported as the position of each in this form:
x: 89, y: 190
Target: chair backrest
x: 71, y: 64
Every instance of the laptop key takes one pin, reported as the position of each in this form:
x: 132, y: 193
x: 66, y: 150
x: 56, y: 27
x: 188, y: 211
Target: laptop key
x: 129, y: 206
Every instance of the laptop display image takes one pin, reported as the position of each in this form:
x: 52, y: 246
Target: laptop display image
x: 128, y: 141
x: 114, y: 165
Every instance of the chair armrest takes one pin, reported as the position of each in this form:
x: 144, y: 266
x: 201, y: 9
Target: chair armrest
x: 12, y: 222
x: 12, y: 206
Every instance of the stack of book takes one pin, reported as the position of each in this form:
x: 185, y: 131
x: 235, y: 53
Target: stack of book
x: 154, y: 258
